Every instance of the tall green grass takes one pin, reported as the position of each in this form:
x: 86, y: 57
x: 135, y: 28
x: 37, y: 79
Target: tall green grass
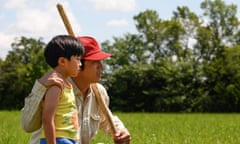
x: 149, y: 128
x: 10, y: 129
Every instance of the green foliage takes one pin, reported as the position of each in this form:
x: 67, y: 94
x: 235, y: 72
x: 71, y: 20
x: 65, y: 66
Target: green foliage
x: 23, y: 65
x: 187, y: 63
x: 224, y: 81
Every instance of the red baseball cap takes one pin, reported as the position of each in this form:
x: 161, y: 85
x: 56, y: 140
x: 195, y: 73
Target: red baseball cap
x: 92, y: 49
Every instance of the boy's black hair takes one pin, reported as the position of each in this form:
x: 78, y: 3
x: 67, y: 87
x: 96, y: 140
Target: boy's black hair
x: 62, y: 46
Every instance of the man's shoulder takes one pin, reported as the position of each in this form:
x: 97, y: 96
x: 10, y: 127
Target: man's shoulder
x: 100, y: 86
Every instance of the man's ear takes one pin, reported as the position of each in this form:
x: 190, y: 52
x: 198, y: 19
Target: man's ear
x: 61, y: 61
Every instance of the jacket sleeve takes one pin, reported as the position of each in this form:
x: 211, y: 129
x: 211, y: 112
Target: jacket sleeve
x: 38, y: 90
x: 35, y: 137
x: 104, y: 124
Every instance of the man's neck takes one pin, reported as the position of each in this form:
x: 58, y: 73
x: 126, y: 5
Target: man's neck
x: 82, y: 85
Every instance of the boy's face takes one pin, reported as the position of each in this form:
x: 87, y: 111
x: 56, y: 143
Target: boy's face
x: 74, y: 66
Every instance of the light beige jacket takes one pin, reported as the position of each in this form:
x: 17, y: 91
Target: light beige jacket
x: 90, y: 117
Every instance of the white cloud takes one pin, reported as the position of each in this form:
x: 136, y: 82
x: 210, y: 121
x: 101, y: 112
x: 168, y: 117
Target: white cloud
x: 14, y: 4
x: 114, y: 5
x: 121, y: 22
x: 43, y: 21
x: 31, y: 21
x: 5, y: 44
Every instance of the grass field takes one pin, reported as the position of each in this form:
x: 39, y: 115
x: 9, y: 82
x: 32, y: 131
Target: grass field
x: 149, y: 128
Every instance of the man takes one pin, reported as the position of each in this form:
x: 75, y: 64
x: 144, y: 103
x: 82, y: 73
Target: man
x: 91, y: 118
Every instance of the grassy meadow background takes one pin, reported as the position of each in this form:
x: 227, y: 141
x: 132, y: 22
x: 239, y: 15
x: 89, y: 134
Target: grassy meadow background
x: 149, y: 128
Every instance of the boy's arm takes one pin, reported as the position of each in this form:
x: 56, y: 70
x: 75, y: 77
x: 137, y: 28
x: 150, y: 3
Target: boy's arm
x: 50, y: 103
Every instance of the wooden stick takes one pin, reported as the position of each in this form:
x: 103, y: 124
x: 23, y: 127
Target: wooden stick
x: 99, y: 98
x: 65, y: 20
x: 103, y: 107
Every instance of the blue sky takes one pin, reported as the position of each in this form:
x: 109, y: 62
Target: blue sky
x: 101, y: 19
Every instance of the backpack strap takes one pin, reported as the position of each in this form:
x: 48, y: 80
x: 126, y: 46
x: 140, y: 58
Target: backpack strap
x: 103, y: 107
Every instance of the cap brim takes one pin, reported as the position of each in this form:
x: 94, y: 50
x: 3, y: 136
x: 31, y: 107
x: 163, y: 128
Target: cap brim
x: 98, y: 56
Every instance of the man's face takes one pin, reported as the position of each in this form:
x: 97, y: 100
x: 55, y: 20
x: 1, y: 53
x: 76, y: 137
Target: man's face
x: 92, y: 71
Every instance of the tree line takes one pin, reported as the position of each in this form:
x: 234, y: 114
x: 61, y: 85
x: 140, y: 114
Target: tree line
x: 187, y: 63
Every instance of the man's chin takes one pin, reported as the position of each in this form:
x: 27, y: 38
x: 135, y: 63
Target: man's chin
x: 97, y: 80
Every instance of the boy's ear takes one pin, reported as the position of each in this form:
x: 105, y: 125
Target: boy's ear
x: 61, y: 61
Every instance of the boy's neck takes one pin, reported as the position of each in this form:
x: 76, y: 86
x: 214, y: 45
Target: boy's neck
x: 62, y: 73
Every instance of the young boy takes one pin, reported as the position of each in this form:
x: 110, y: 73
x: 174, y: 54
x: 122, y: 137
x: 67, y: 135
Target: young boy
x: 59, y: 118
